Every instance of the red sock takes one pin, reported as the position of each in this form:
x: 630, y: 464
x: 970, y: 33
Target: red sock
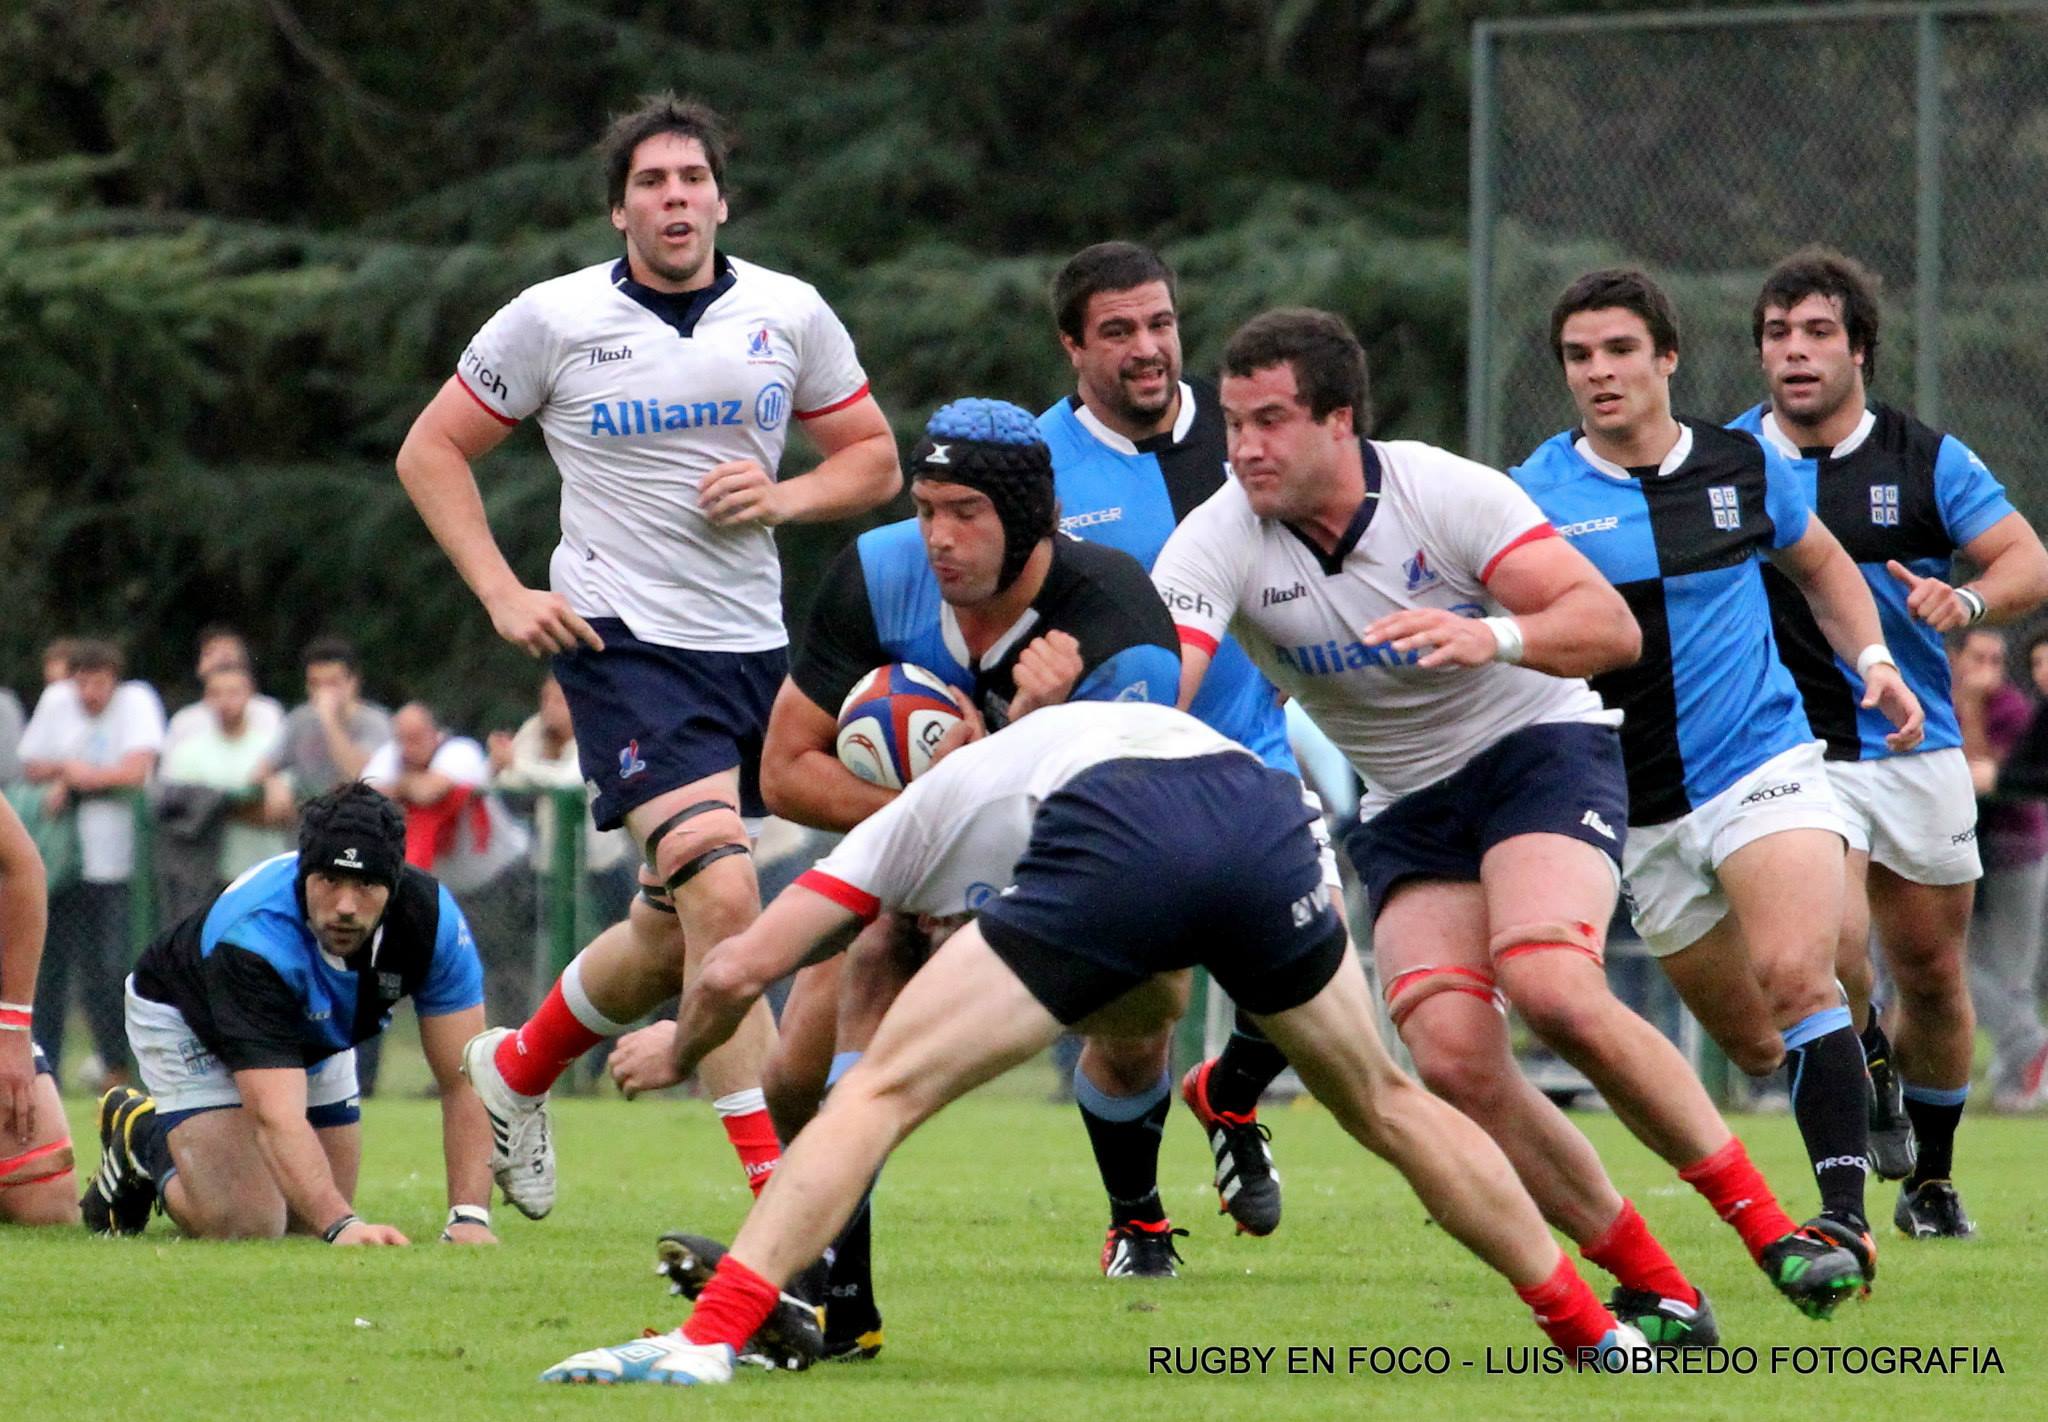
x: 753, y: 1141
x: 1737, y: 1191
x: 1627, y: 1250
x: 733, y: 1305
x: 1566, y: 1308
x: 531, y: 1058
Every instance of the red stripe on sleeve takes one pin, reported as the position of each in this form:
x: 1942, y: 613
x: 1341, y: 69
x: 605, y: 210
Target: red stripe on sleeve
x: 500, y: 418
x: 858, y: 902
x: 1534, y: 535
x: 856, y: 396
x: 1196, y: 637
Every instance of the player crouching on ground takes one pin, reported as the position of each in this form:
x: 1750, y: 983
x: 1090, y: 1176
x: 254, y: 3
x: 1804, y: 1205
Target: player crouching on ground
x: 1099, y: 916
x: 244, y: 1020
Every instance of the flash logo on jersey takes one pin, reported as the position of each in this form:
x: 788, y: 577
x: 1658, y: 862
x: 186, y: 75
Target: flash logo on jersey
x: 1884, y: 505
x: 1727, y: 505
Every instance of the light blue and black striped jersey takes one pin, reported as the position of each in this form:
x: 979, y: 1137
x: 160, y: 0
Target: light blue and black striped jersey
x: 259, y: 991
x: 1132, y: 496
x: 879, y: 603
x: 1709, y: 700
x: 1894, y: 489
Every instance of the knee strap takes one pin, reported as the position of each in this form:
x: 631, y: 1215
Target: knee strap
x: 661, y: 831
x: 696, y: 866
x: 1575, y: 935
x: 11, y: 1176
x: 1407, y: 991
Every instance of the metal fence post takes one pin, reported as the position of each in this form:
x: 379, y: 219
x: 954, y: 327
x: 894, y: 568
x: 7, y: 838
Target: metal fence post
x: 1927, y: 220
x: 142, y: 913
x: 1479, y: 433
x: 565, y: 879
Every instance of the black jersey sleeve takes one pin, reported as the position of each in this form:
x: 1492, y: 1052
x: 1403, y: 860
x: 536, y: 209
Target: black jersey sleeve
x: 840, y: 643
x: 255, y: 1014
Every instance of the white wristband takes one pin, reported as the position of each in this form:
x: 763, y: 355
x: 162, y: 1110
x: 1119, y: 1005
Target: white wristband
x: 1974, y: 606
x: 468, y: 1214
x: 1508, y: 633
x: 1874, y: 655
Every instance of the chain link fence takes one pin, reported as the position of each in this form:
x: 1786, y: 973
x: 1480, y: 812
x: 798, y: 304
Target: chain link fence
x: 1705, y: 146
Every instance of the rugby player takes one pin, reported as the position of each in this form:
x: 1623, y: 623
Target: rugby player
x: 665, y: 383
x: 244, y: 1020
x: 1428, y: 618
x: 1904, y: 499
x: 981, y: 590
x: 1135, y: 448
x: 1735, y: 844
x: 35, y: 1142
x: 1059, y: 812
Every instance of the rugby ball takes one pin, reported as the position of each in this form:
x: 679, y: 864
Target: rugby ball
x: 891, y: 720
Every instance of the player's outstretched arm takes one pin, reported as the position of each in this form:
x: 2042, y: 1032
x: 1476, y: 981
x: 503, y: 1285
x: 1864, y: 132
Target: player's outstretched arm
x: 802, y: 777
x: 275, y: 1098
x: 1834, y: 588
x: 24, y: 917
x: 435, y: 465
x: 800, y: 927
x: 465, y: 1129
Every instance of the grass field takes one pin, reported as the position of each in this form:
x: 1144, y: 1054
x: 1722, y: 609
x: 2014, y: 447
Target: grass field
x: 987, y: 1228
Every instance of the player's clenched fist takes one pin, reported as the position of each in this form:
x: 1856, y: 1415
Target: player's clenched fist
x: 1445, y: 639
x: 540, y: 622
x: 1046, y: 672
x: 738, y: 492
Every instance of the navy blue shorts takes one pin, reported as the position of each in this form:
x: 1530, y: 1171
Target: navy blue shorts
x: 1138, y: 867
x: 650, y: 719
x: 1562, y: 777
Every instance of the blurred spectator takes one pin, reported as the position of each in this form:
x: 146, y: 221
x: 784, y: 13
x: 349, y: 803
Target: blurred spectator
x: 91, y: 739
x: 462, y: 834
x: 10, y: 737
x: 2003, y: 737
x: 224, y: 756
x: 222, y: 646
x: 327, y: 739
x: 541, y: 756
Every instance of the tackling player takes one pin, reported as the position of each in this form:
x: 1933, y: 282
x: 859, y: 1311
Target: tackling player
x: 244, y: 1020
x: 981, y: 590
x: 1734, y: 856
x: 665, y: 383
x: 1904, y: 499
x: 1428, y: 618
x: 35, y: 1142
x: 1060, y: 813
x: 1135, y: 448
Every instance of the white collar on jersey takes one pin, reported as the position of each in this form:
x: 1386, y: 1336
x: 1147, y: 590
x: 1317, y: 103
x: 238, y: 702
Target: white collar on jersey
x: 1680, y: 452
x: 1182, y: 423
x: 956, y: 640
x: 340, y: 965
x: 1775, y: 433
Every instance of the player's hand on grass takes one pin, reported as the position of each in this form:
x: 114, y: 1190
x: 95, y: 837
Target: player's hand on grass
x: 364, y: 1233
x: 1931, y: 600
x: 1444, y: 638
x: 645, y: 1060
x: 17, y: 1092
x: 740, y: 492
x: 1886, y: 690
x: 1047, y: 669
x: 970, y: 729
x: 540, y: 622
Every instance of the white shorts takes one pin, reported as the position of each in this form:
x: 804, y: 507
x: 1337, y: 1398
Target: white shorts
x: 1668, y: 870
x: 183, y: 1075
x: 1914, y: 814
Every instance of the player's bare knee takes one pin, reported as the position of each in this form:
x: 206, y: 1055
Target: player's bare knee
x: 1756, y: 1056
x: 1125, y: 1066
x: 1565, y: 1021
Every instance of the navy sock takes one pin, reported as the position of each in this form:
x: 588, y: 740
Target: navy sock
x: 850, y: 1308
x: 1125, y: 1133
x: 1830, y: 1100
x: 149, y: 1146
x: 1246, y: 1068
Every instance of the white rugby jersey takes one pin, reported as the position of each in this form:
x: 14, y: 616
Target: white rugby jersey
x: 636, y: 411
x: 1431, y: 530
x: 952, y: 839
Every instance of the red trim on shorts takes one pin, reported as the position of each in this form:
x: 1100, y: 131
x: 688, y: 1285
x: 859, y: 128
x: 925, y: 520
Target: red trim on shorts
x: 854, y: 398
x: 1538, y: 533
x: 500, y: 418
x: 1196, y: 637
x: 858, y: 902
